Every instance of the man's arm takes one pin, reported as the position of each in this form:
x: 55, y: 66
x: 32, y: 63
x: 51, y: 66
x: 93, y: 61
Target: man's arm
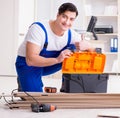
x: 34, y: 59
x: 84, y: 45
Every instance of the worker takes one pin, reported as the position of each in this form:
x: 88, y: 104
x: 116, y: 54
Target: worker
x: 45, y: 46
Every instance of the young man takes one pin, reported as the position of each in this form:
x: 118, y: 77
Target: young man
x: 45, y: 46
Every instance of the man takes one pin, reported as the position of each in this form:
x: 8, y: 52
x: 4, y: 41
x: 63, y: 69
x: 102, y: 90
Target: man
x: 45, y: 46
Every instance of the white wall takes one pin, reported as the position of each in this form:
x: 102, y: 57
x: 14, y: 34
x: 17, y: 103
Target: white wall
x: 47, y: 9
x: 8, y: 35
x: 26, y: 17
x: 15, y: 18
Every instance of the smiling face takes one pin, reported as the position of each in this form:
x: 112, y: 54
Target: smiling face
x: 66, y: 15
x: 65, y: 20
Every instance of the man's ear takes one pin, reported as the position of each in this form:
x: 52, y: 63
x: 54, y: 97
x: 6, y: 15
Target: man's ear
x: 58, y: 14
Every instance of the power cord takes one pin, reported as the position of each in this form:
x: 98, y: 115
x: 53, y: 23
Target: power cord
x: 37, y: 107
x: 31, y: 97
x: 13, y: 100
x: 0, y: 97
x: 12, y: 96
x: 5, y: 98
x: 7, y: 102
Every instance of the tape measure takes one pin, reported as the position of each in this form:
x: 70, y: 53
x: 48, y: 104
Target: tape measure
x: 50, y: 89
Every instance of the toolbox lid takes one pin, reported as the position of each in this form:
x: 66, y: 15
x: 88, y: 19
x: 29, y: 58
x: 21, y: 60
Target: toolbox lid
x: 84, y: 63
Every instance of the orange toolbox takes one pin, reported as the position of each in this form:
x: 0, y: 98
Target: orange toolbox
x: 84, y: 63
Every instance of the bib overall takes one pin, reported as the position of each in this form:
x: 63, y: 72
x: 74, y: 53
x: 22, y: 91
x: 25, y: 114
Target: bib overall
x: 29, y: 77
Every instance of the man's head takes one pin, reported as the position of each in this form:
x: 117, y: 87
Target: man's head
x: 66, y: 15
x: 67, y: 7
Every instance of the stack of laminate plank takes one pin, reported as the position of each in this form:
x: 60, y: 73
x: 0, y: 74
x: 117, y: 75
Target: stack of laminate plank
x: 67, y: 100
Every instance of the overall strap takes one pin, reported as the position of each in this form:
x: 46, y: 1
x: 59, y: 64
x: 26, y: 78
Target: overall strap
x: 69, y: 37
x: 46, y: 36
x: 69, y: 40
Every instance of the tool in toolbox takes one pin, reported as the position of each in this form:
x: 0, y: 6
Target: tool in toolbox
x: 84, y: 62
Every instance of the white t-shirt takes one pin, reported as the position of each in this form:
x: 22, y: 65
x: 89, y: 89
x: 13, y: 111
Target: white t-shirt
x: 36, y: 35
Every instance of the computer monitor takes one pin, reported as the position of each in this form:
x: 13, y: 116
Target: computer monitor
x: 91, y: 26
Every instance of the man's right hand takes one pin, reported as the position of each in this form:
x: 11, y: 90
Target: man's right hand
x: 64, y: 54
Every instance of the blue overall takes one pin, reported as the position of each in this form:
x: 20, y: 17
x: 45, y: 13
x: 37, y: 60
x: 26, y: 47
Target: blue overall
x: 29, y: 77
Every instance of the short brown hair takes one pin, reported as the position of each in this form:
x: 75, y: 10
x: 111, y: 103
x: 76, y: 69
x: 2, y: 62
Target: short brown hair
x: 67, y: 7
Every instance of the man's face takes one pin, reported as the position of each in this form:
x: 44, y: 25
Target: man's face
x: 65, y: 20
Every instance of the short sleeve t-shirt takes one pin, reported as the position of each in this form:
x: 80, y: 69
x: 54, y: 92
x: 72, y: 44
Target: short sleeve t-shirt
x: 36, y: 35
